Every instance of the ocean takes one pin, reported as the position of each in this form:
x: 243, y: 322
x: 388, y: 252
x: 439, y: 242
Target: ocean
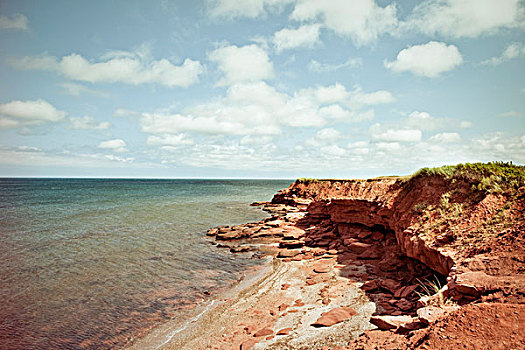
x: 93, y: 263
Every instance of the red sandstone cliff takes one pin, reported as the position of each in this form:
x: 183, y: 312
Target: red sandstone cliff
x: 474, y: 237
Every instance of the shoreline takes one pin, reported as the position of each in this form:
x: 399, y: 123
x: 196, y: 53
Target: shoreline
x: 165, y: 333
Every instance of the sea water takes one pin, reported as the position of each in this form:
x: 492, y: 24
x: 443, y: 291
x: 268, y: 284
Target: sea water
x: 92, y: 263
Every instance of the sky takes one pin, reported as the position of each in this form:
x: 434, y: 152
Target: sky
x: 258, y: 88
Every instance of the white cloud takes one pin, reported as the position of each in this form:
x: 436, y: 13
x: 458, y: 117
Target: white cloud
x: 512, y: 114
x: 116, y: 145
x: 74, y: 89
x: 243, y: 8
x: 242, y: 64
x: 512, y: 51
x: 118, y: 67
x: 429, y: 60
x: 14, y: 22
x: 362, y: 20
x: 333, y: 150
x: 87, y: 122
x: 359, y: 147
x: 446, y: 137
x: 169, y: 140
x: 360, y: 99
x: 259, y: 109
x: 304, y: 36
x: 317, y: 67
x: 324, y: 137
x: 465, y: 124
x: 379, y: 133
x: 19, y: 113
x: 390, y: 147
x: 123, y: 112
x: 255, y: 140
x: 465, y: 18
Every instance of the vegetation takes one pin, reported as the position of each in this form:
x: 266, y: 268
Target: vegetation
x: 492, y: 177
x: 433, y: 292
x: 307, y: 180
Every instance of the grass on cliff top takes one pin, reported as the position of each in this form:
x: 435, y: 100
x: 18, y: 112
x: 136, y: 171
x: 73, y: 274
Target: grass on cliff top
x: 493, y: 177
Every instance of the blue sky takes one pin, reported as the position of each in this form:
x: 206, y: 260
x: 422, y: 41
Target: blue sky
x: 259, y: 88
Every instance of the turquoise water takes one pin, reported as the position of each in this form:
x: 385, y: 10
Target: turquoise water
x: 89, y: 263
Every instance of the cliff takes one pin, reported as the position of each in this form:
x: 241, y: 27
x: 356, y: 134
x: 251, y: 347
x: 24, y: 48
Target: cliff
x: 465, y: 222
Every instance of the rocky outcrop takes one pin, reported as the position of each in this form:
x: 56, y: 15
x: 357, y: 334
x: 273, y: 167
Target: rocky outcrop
x: 433, y: 220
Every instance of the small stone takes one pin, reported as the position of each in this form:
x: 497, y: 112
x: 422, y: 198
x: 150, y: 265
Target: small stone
x: 390, y: 284
x: 334, y: 316
x: 404, y: 304
x: 284, y: 331
x: 288, y: 253
x: 405, y: 291
x: 263, y: 332
x: 285, y: 286
x: 283, y: 307
x: 390, y: 322
x: 359, y: 247
x: 369, y: 286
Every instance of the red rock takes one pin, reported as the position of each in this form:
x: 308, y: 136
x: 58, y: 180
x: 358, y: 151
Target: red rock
x: 431, y: 314
x: 377, y: 236
x: 390, y: 285
x: 326, y: 301
x: 247, y: 344
x: 288, y: 253
x: 390, y: 322
x: 369, y: 286
x: 405, y: 291
x: 285, y: 286
x: 284, y: 331
x: 358, y: 247
x: 323, y: 266
x: 364, y: 234
x: 263, y: 332
x: 283, y: 307
x: 212, y: 232
x: 249, y: 329
x: 404, y: 304
x: 291, y: 244
x: 370, y: 254
x: 334, y: 316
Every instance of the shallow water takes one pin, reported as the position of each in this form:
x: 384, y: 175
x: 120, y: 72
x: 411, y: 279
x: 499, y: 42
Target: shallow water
x: 87, y: 264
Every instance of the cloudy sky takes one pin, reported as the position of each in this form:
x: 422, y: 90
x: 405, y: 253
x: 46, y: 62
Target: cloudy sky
x: 259, y: 88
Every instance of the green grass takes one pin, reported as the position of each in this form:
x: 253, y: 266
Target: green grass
x: 306, y: 180
x: 492, y: 177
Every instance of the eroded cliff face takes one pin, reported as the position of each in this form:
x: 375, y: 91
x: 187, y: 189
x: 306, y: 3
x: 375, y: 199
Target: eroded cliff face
x: 444, y: 224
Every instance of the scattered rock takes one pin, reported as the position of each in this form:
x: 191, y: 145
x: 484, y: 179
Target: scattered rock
x: 263, y: 332
x: 284, y: 331
x: 369, y: 286
x: 405, y: 291
x: 390, y: 285
x: 334, y: 316
x: 404, y: 304
x: 390, y: 322
x: 288, y: 253
x: 358, y: 247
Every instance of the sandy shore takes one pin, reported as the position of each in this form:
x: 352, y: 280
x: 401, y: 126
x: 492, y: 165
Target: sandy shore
x: 274, y: 300
x: 263, y: 306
